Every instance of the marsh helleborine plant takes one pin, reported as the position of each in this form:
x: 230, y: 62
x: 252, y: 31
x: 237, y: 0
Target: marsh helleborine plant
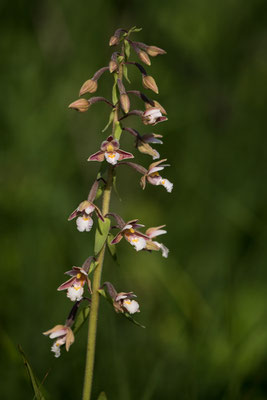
x: 87, y: 213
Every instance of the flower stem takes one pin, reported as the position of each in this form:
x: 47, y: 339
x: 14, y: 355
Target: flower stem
x: 93, y: 316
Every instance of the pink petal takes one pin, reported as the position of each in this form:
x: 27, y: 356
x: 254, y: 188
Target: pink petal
x: 99, y: 156
x: 124, y: 155
x: 67, y: 284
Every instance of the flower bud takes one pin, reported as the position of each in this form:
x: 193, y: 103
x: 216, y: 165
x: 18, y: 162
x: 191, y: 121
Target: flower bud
x: 80, y: 105
x: 149, y: 83
x: 89, y: 86
x: 114, y: 40
x: 112, y: 66
x: 154, y: 51
x: 144, y: 57
x: 125, y: 102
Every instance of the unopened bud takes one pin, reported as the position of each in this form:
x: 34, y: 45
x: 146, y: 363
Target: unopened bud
x: 157, y: 105
x: 153, y: 51
x: 144, y: 57
x: 125, y: 102
x: 114, y: 40
x: 149, y: 83
x: 80, y: 105
x: 89, y: 86
x: 112, y: 66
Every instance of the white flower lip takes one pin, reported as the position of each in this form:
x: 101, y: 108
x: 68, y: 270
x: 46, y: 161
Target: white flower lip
x: 75, y: 293
x: 167, y: 184
x: 138, y: 242
x: 84, y: 224
x: 131, y: 306
x: 112, y: 158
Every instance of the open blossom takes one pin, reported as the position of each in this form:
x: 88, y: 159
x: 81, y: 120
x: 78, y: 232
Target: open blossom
x: 153, y: 176
x: 124, y: 302
x: 134, y: 237
x: 75, y: 285
x: 83, y: 213
x: 110, y: 151
x: 152, y: 233
x: 153, y: 116
x: 63, y: 335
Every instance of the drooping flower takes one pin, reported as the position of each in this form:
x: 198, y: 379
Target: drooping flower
x: 124, y: 302
x: 153, y: 116
x: 153, y: 176
x: 152, y: 233
x: 84, y: 211
x: 142, y: 143
x: 75, y: 285
x: 110, y: 151
x: 132, y: 235
x: 63, y: 335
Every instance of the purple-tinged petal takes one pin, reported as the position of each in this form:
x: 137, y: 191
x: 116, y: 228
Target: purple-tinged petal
x: 73, y: 214
x: 99, y: 214
x: 98, y: 156
x: 67, y: 284
x: 117, y: 238
x: 124, y: 155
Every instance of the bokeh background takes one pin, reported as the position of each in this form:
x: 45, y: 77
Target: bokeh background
x: 204, y: 307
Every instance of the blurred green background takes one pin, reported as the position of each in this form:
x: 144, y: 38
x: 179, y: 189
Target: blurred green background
x: 205, y: 306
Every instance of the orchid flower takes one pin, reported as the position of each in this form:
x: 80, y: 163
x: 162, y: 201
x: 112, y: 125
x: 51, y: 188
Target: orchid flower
x: 153, y: 116
x: 84, y: 211
x: 153, y: 176
x: 110, y: 151
x: 75, y: 284
x: 63, y: 335
x: 134, y: 237
x: 153, y: 232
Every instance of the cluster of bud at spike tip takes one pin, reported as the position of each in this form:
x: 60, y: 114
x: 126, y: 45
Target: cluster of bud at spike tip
x: 112, y: 154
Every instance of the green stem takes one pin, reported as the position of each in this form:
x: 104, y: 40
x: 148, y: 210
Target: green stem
x: 93, y: 316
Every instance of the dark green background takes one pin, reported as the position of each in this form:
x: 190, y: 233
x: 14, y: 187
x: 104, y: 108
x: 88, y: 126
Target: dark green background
x: 205, y: 306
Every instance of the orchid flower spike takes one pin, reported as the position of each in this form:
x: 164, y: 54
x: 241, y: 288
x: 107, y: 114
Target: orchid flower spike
x: 130, y: 233
x: 153, y: 176
x: 110, y: 151
x: 75, y: 285
x: 153, y: 232
x: 153, y: 116
x: 63, y: 335
x: 84, y: 211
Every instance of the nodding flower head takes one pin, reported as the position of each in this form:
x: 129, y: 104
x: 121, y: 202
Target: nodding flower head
x: 153, y: 176
x: 63, y: 335
x: 110, y: 151
x: 153, y: 116
x: 75, y: 285
x: 83, y: 213
x: 152, y: 245
x: 124, y: 302
x: 132, y: 235
x: 143, y: 144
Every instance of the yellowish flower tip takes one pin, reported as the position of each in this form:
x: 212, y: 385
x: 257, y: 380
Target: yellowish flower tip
x: 132, y: 230
x: 86, y: 218
x: 111, y: 155
x: 163, y: 182
x: 154, y: 174
x: 78, y: 276
x: 135, y: 240
x: 110, y: 147
x: 127, y: 301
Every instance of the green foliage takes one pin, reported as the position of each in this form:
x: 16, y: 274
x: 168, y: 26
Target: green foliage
x: 101, y: 234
